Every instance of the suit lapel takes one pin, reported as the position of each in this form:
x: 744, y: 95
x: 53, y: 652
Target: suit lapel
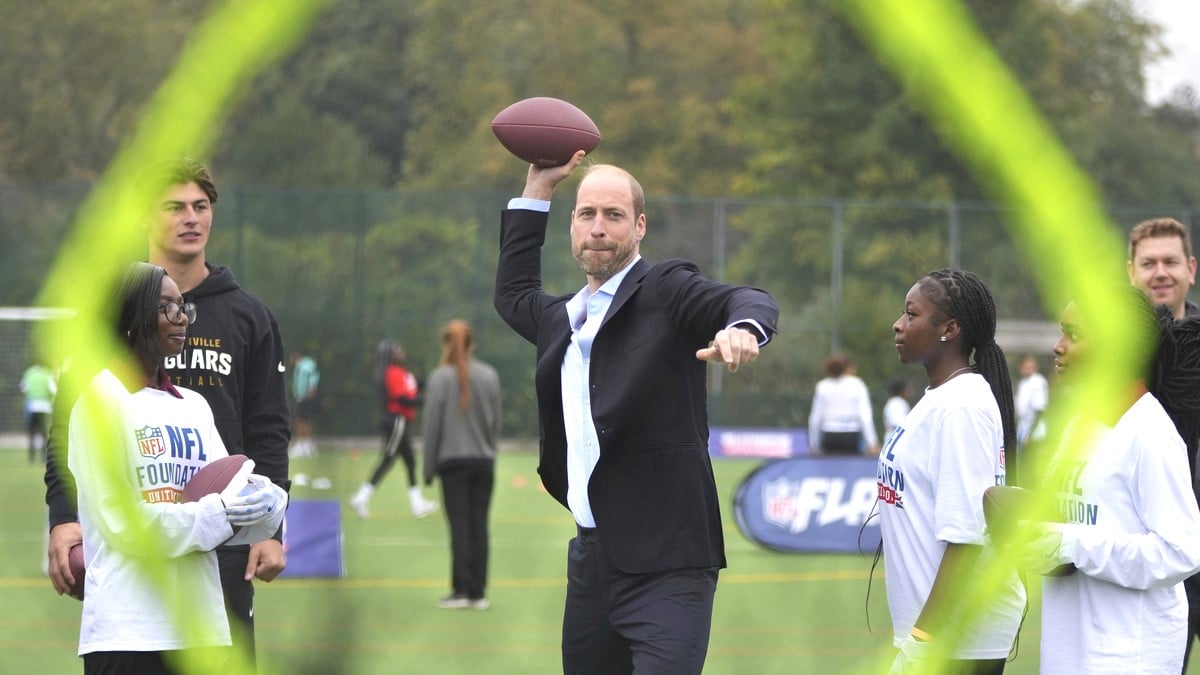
x: 632, y: 282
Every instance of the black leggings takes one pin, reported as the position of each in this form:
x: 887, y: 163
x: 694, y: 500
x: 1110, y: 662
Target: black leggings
x: 396, y: 441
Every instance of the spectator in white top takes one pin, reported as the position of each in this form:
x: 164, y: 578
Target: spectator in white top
x: 897, y: 406
x: 1033, y: 393
x: 841, y: 422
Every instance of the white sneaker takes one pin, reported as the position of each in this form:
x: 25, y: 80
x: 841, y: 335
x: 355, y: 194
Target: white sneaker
x: 454, y: 602
x: 479, y: 603
x: 424, y: 508
x: 420, y: 506
x: 359, y: 503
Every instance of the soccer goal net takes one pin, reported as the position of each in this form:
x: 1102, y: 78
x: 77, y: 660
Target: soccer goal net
x: 17, y: 352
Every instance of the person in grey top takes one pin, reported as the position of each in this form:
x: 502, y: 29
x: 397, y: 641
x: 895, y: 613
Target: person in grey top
x: 461, y: 425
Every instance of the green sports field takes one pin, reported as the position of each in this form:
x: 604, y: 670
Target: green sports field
x: 775, y: 613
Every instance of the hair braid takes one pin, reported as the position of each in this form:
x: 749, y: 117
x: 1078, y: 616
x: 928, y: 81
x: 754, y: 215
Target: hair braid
x: 1174, y: 376
x: 966, y: 299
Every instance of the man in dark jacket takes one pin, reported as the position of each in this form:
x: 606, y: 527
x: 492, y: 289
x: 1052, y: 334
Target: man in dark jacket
x: 234, y: 358
x: 621, y: 389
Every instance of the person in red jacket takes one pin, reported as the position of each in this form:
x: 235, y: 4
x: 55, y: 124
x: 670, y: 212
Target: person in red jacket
x: 399, y: 393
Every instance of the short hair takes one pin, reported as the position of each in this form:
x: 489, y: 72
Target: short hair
x: 835, y: 365
x: 177, y: 171
x: 635, y: 188
x: 1159, y: 227
x: 898, y: 386
x: 140, y: 293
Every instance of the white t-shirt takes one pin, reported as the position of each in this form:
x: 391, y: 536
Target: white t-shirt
x: 1033, y: 393
x: 841, y: 404
x: 160, y: 441
x: 1134, y: 534
x: 932, y: 474
x: 894, y: 412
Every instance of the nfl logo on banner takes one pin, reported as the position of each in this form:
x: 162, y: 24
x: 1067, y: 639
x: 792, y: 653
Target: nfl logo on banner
x: 779, y: 502
x: 150, y: 442
x: 806, y: 504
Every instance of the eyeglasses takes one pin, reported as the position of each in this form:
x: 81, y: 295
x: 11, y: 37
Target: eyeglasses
x: 174, y: 312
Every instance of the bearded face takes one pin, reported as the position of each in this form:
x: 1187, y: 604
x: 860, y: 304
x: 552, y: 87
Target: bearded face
x: 605, y: 231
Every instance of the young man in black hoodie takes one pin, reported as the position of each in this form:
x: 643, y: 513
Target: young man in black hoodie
x: 234, y: 358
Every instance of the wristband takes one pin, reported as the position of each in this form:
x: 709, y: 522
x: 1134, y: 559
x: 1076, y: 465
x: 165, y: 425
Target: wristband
x: 920, y: 635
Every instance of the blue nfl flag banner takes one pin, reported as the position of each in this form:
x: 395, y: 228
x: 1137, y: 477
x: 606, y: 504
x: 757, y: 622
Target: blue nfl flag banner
x: 312, y: 537
x: 810, y: 504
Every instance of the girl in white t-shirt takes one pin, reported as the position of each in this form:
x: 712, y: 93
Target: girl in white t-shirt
x: 135, y: 442
x: 945, y: 602
x: 1123, y: 491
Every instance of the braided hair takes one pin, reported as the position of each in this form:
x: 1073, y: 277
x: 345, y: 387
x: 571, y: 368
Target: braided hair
x: 1174, y: 375
x: 962, y: 296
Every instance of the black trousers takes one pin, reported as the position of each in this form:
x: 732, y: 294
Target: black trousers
x: 148, y: 663
x: 616, y: 623
x: 397, y: 440
x: 467, y: 496
x: 239, y: 598
x: 39, y: 430
x: 840, y: 442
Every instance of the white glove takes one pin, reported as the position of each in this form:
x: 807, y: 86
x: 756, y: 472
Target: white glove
x: 911, y: 657
x: 1039, y: 548
x: 258, y: 500
x: 238, y: 483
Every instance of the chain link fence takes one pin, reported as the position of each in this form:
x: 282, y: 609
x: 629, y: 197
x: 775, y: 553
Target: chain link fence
x: 343, y: 269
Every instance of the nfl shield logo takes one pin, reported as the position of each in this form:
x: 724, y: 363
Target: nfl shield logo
x: 779, y: 501
x: 150, y: 442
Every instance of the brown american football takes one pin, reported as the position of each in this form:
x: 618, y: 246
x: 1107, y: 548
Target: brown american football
x: 1005, y: 505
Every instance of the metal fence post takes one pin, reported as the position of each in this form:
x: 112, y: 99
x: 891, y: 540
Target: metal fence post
x: 835, y: 277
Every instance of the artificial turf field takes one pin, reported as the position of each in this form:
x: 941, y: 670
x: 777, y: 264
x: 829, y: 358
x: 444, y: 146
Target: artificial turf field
x: 775, y: 613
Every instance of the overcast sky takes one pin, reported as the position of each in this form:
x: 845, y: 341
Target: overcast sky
x: 1181, y: 23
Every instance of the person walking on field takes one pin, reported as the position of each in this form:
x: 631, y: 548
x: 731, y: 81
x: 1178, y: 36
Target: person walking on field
x: 461, y: 427
x: 621, y: 383
x: 399, y: 394
x: 234, y: 358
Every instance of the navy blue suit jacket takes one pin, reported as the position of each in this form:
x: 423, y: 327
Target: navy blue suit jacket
x: 652, y: 491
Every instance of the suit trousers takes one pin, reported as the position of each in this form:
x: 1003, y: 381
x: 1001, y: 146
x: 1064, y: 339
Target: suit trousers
x: 645, y: 624
x: 467, y: 495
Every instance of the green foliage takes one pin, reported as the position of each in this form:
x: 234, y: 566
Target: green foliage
x: 775, y: 102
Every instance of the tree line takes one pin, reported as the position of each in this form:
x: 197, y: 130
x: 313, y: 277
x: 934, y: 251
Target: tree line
x: 752, y: 100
